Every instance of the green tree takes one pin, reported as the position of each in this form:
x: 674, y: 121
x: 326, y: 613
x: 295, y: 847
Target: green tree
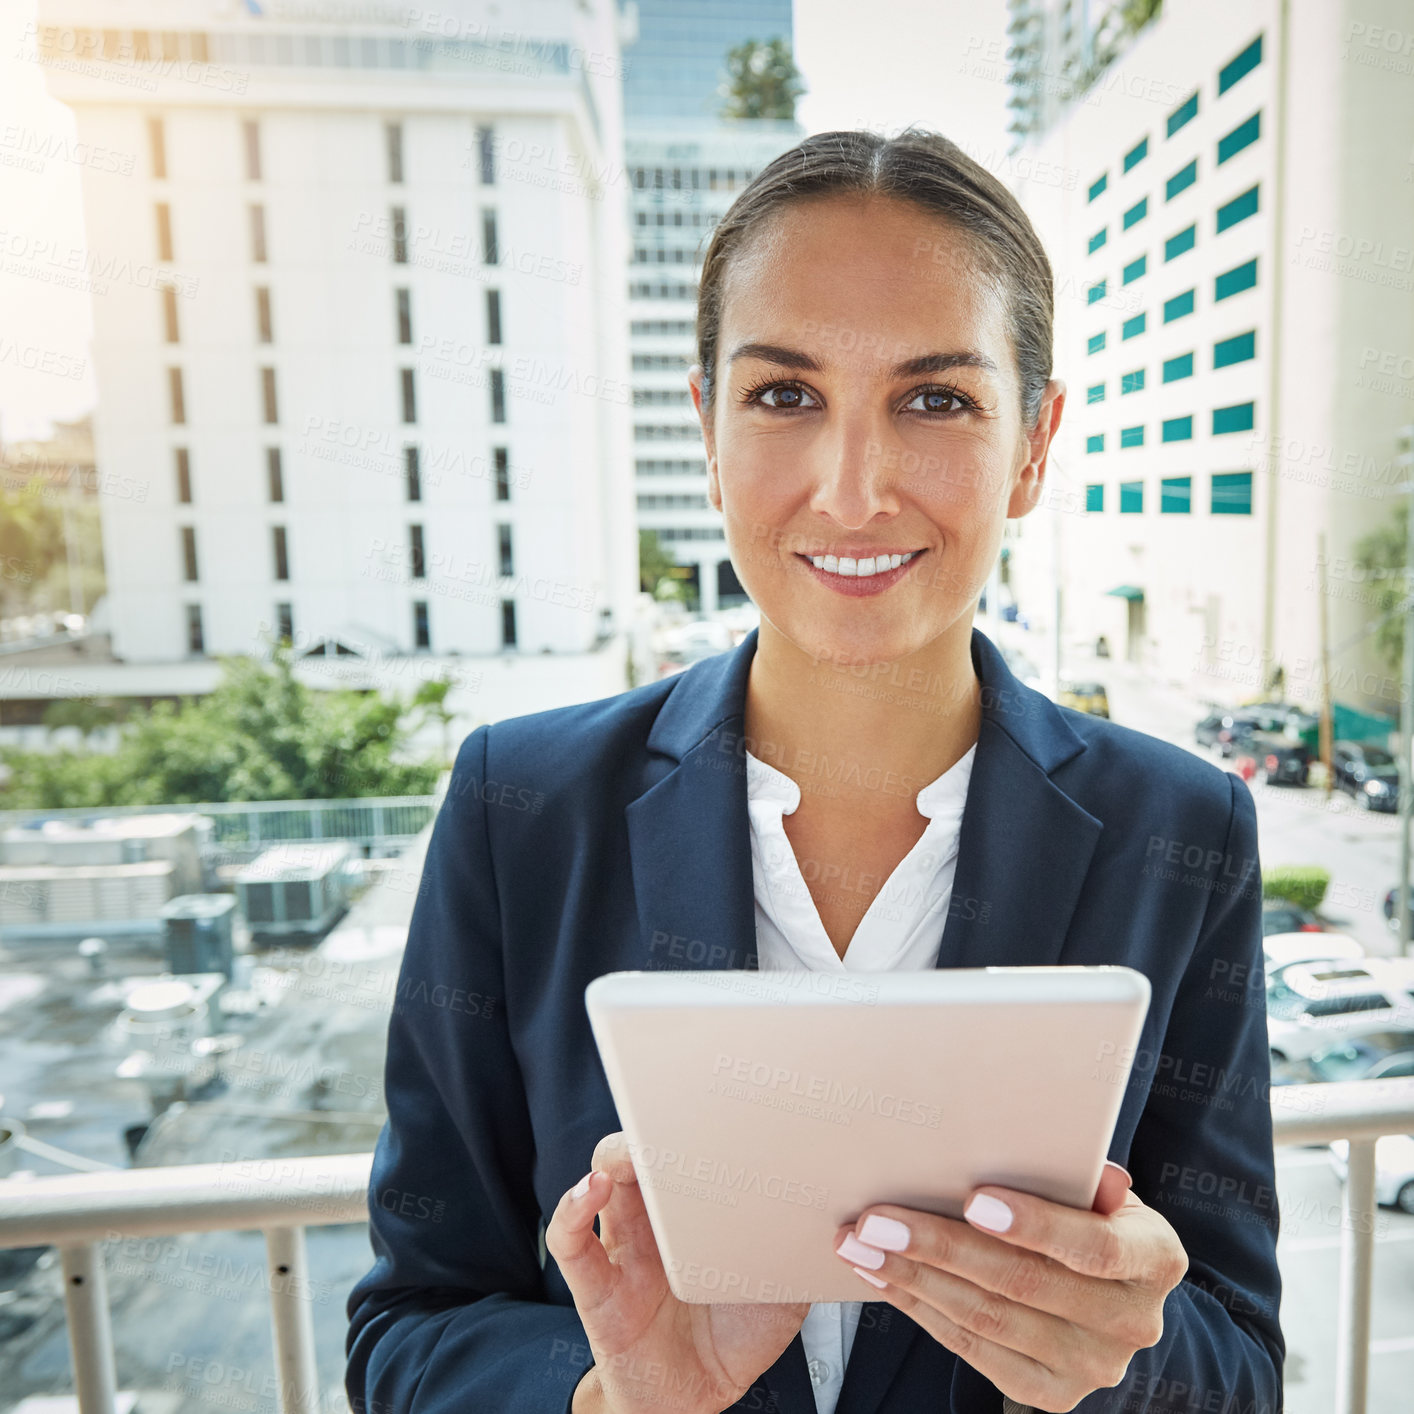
x: 656, y: 567
x: 762, y: 80
x: 1380, y: 554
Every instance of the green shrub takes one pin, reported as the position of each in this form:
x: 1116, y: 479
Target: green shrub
x: 1302, y: 884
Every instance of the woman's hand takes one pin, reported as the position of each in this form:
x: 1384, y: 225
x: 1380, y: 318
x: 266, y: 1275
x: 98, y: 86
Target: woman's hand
x: 1049, y: 1303
x: 652, y: 1352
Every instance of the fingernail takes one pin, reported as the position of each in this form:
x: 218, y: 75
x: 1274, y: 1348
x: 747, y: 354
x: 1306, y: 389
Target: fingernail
x: 870, y: 1277
x: 855, y: 1251
x: 888, y: 1233
x: 582, y: 1187
x: 988, y: 1212
x: 1128, y: 1177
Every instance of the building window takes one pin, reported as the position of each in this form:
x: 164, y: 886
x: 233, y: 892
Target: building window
x: 1240, y: 66
x: 169, y: 314
x: 1243, y: 135
x: 1131, y: 498
x: 490, y: 248
x: 280, y: 546
x: 398, y: 221
x: 1183, y: 241
x: 503, y: 474
x: 493, y: 316
x: 1237, y: 349
x: 1099, y: 238
x: 1096, y: 187
x: 1137, y: 212
x: 189, y: 552
x: 1176, y: 496
x: 416, y: 552
x: 1236, y: 418
x: 264, y: 328
x: 274, y: 474
x: 1135, y: 269
x: 412, y: 470
x: 285, y: 623
x: 1238, y: 209
x: 1231, y: 494
x: 1095, y: 496
x: 1132, y: 382
x: 1132, y: 436
x: 508, y: 623
x: 1095, y: 343
x: 1095, y: 393
x: 1183, y: 114
x: 409, y: 395
x: 421, y: 629
x: 394, y: 134
x: 503, y: 551
x: 257, y: 234
x: 183, y: 458
x: 176, y: 395
x: 1178, y: 429
x: 404, y: 298
x: 1096, y: 292
x: 1136, y: 154
x: 498, y: 395
x: 164, y: 231
x: 252, y: 150
x: 157, y: 146
x: 1178, y: 306
x: 1181, y: 180
x: 1234, y: 281
x: 1132, y: 327
x: 270, y: 409
x: 486, y: 152
x: 1180, y: 366
x: 1095, y: 442
x: 196, y: 640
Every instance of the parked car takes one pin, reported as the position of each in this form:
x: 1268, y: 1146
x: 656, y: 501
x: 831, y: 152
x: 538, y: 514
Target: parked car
x: 1391, y: 901
x: 1394, y: 1169
x: 1273, y: 760
x: 1281, y: 917
x: 1367, y: 772
x: 1382, y: 1055
x: 1283, y: 950
x: 1313, y: 1005
x: 1085, y: 697
x: 1221, y: 731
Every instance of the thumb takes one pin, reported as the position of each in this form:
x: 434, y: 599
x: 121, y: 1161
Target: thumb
x: 1115, y: 1182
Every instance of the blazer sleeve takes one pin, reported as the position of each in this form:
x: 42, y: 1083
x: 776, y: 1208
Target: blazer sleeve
x: 454, y: 1314
x: 1202, y: 1156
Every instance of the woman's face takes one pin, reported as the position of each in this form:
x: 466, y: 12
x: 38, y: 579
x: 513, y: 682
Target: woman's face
x: 867, y: 405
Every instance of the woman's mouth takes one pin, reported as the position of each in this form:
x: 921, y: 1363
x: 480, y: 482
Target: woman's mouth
x: 858, y: 575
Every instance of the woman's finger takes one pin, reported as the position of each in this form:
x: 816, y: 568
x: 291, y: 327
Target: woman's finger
x: 623, y: 1223
x: 571, y: 1240
x: 1115, y: 1182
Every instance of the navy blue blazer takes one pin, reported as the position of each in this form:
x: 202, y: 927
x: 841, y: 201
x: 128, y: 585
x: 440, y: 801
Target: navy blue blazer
x: 614, y: 835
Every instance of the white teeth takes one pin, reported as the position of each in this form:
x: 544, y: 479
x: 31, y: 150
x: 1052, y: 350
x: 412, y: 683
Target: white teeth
x: 832, y: 564
x: 895, y: 561
x: 862, y: 569
x: 848, y: 566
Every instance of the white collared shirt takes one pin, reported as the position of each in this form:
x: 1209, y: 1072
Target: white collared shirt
x: 903, y: 929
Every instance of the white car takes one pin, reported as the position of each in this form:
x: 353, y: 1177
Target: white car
x: 1283, y: 950
x: 1315, y: 1004
x: 1394, y: 1169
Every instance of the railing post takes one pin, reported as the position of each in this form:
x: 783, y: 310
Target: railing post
x: 90, y: 1334
x: 292, y: 1319
x: 1357, y: 1269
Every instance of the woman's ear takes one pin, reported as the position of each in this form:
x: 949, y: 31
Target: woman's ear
x: 1031, y: 475
x: 714, y: 490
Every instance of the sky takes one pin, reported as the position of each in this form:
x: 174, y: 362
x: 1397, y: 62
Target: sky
x: 933, y: 62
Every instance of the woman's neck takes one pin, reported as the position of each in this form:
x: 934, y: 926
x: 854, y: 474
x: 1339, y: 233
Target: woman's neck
x: 864, y: 733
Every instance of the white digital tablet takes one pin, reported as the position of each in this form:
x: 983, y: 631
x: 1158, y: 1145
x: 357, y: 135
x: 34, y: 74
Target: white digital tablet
x: 764, y: 1109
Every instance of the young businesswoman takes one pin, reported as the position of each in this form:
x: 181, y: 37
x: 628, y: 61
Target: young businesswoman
x: 862, y: 784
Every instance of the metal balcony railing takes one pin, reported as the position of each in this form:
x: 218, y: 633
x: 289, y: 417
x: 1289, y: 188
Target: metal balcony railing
x: 281, y: 1197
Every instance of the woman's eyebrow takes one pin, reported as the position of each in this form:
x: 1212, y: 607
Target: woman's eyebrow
x: 783, y: 357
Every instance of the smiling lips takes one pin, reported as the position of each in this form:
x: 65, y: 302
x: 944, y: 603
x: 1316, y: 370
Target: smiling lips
x: 860, y: 567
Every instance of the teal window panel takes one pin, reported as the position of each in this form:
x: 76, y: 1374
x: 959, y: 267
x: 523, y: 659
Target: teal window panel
x: 1240, y: 66
x: 1099, y: 238
x: 1137, y: 212
x: 1096, y: 291
x: 1131, y: 436
x: 1184, y: 113
x: 1238, y: 209
x: 1178, y: 306
x: 1243, y: 135
x: 1135, y: 269
x: 1136, y: 154
x: 1181, y: 180
x: 1176, y: 496
x: 1237, y: 418
x: 1178, y: 429
x: 1180, y: 366
x: 1132, y: 382
x: 1095, y: 496
x: 1095, y: 342
x: 1234, y: 281
x: 1131, y: 498
x: 1180, y: 242
x: 1134, y: 326
x: 1098, y: 185
x: 1232, y: 494
x: 1095, y: 393
x: 1237, y: 349
x: 1095, y: 442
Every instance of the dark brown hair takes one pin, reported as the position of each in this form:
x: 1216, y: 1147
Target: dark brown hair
x: 937, y: 176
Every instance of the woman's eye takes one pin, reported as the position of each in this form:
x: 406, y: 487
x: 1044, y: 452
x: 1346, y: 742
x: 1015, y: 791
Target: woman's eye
x: 937, y: 400
x: 787, y: 395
